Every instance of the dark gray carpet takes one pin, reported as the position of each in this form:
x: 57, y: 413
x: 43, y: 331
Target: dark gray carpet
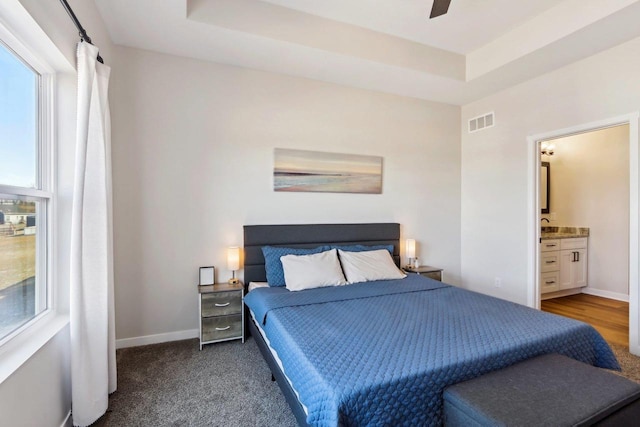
x: 225, y: 384
x: 175, y: 384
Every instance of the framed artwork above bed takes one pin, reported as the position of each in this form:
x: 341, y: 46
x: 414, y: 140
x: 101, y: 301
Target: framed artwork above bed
x: 320, y: 172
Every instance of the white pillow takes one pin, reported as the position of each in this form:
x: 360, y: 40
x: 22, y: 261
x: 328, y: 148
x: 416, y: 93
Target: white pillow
x: 312, y: 271
x: 369, y: 265
x: 256, y: 285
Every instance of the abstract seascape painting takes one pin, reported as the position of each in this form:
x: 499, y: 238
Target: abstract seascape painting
x: 314, y: 171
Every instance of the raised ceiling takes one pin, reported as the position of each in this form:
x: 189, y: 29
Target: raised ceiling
x: 479, y: 47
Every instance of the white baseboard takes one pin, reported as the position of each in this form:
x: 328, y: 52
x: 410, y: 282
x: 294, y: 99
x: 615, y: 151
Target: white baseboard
x: 606, y: 294
x: 67, y: 421
x: 560, y: 294
x: 157, y: 338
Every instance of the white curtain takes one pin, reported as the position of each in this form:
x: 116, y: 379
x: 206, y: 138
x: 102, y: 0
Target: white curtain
x: 93, y: 361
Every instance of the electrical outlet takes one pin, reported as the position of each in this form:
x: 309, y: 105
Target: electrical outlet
x: 498, y: 282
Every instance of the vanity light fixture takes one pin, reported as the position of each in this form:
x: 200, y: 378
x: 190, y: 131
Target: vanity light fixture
x: 233, y: 263
x: 410, y: 250
x: 546, y: 148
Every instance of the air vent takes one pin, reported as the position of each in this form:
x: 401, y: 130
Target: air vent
x: 481, y: 122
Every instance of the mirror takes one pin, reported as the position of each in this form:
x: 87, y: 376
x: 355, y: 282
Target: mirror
x: 545, y: 182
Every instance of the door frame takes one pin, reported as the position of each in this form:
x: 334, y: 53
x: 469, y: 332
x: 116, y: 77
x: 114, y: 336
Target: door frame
x: 533, y: 235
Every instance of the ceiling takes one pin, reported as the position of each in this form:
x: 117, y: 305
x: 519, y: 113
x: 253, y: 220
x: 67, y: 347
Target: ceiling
x: 408, y: 19
x: 478, y: 48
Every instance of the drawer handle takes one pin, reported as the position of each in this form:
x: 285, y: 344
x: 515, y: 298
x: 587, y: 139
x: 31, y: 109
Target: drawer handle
x: 222, y: 305
x: 223, y: 329
x: 551, y: 246
x: 550, y: 282
x: 550, y: 262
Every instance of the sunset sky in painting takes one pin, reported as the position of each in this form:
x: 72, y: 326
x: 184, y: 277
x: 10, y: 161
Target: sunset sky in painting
x: 325, y: 163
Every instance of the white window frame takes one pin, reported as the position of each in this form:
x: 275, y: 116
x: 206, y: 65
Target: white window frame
x: 43, y: 193
x: 21, y: 33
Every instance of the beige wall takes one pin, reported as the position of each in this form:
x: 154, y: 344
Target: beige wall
x: 193, y: 162
x: 39, y: 393
x: 496, y: 166
x: 590, y: 188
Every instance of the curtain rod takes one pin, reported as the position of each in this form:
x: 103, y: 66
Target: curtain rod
x: 81, y: 31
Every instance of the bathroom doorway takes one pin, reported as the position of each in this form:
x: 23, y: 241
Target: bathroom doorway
x: 588, y: 189
x: 585, y: 197
x: 588, y: 181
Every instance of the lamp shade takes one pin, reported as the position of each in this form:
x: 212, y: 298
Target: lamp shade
x: 233, y: 258
x: 411, y: 248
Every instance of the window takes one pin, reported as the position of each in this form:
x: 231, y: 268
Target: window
x: 25, y: 193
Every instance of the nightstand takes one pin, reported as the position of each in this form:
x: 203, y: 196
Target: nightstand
x: 221, y: 313
x: 425, y: 270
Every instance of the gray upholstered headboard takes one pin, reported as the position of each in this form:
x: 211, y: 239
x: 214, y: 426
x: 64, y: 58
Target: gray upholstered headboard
x: 311, y: 236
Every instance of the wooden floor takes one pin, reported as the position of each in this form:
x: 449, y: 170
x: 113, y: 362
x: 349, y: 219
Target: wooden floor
x: 609, y: 317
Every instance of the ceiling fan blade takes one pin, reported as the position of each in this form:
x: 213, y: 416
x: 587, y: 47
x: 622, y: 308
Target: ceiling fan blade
x: 440, y: 7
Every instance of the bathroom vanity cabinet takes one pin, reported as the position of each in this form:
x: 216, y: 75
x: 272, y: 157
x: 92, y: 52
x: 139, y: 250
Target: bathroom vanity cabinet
x: 573, y: 263
x: 563, y: 264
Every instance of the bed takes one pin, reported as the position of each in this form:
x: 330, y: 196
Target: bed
x: 382, y: 352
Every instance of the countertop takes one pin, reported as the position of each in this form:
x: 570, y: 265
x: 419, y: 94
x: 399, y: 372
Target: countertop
x: 548, y: 232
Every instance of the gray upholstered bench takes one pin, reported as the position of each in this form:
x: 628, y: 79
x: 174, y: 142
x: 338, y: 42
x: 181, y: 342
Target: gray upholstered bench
x: 550, y: 390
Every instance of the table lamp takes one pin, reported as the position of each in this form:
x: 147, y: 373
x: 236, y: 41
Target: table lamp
x: 410, y: 250
x: 233, y: 263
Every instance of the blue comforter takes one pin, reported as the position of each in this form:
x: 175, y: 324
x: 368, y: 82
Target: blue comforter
x: 381, y: 353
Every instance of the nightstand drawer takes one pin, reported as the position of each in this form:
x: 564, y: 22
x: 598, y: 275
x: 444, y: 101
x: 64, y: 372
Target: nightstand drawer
x: 221, y: 303
x: 222, y: 327
x: 435, y: 275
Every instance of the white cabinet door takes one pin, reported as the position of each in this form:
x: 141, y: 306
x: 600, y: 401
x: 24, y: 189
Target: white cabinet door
x: 573, y: 269
x: 580, y: 269
x: 566, y: 270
